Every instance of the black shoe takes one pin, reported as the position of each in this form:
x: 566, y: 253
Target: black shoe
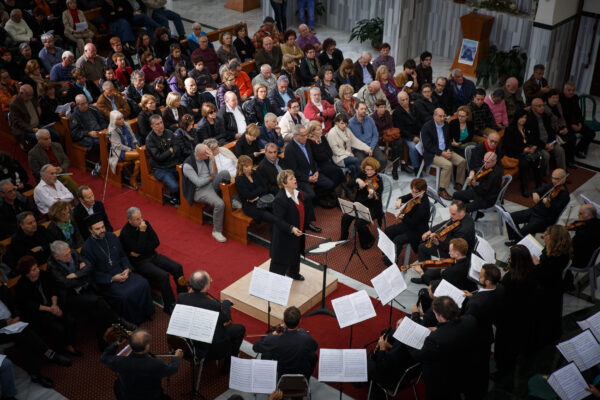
x: 313, y: 228
x: 130, y: 326
x: 174, y: 201
x: 572, y: 165
x: 75, y: 353
x: 580, y: 154
x: 417, y: 280
x: 479, y: 215
x: 61, y: 360
x: 368, y: 245
x: 407, y: 168
x: 395, y: 174
x: 297, y: 277
x: 524, y: 193
x: 510, y: 243
x: 43, y: 381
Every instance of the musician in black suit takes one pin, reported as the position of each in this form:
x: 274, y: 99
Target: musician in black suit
x: 87, y: 206
x: 287, y: 235
x: 140, y: 373
x: 586, y: 238
x: 484, y: 305
x: 491, y: 144
x: 545, y: 212
x: 294, y: 349
x: 228, y: 337
x: 413, y: 224
x: 270, y: 167
x: 483, y: 188
x: 440, y: 245
x: 444, y: 355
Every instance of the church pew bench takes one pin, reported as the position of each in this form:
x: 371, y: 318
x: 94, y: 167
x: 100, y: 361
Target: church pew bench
x: 75, y: 152
x: 113, y: 178
x: 195, y: 212
x: 151, y: 188
x: 235, y: 222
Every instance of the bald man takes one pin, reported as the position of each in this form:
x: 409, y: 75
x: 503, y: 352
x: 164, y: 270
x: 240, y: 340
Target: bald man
x: 512, y: 97
x: 484, y: 186
x: 545, y: 212
x: 269, y: 54
x: 586, y: 238
x: 544, y: 134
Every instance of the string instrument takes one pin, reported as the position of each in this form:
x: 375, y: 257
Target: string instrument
x: 278, y: 329
x: 479, y: 175
x: 181, y: 281
x: 412, y: 203
x: 555, y: 190
x: 443, y: 231
x: 373, y: 183
x: 116, y: 333
x: 430, y: 264
x: 575, y: 225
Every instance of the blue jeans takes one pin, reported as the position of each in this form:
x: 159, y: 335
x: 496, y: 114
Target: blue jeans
x: 163, y: 16
x: 122, y: 29
x: 353, y: 165
x: 170, y: 178
x: 280, y: 15
x: 146, y: 21
x: 310, y: 6
x: 7, y: 379
x: 412, y: 152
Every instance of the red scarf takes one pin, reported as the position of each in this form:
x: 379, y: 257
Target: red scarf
x: 487, y: 147
x: 75, y: 15
x: 300, y: 207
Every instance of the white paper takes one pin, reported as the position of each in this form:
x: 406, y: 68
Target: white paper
x: 445, y: 288
x: 586, y: 200
x: 475, y: 268
x: 353, y: 308
x: 535, y: 248
x: 485, y: 250
x: 323, y: 248
x: 568, y: 383
x: 431, y: 192
x: 66, y: 108
x: 270, y: 286
x: 81, y: 26
x: 343, y: 365
x: 508, y: 219
x: 362, y: 211
x: 411, y: 334
x: 253, y: 375
x: 582, y: 349
x: 593, y: 324
x: 17, y: 327
x: 386, y: 245
x: 389, y: 284
x: 193, y: 323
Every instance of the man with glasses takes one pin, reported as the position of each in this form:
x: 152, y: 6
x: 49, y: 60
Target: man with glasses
x: 12, y: 204
x: 85, y: 123
x: 545, y: 212
x: 135, y: 91
x: 291, y: 119
x: 193, y: 38
x: 484, y: 186
x: 442, y: 96
x: 233, y: 117
x: 491, y: 144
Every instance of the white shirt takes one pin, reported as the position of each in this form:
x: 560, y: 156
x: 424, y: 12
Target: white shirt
x: 175, y: 113
x: 90, y: 210
x: 240, y: 121
x: 225, y: 164
x: 295, y: 198
x: 46, y: 195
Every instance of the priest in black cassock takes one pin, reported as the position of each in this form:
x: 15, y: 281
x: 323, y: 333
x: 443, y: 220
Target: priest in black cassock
x: 129, y: 294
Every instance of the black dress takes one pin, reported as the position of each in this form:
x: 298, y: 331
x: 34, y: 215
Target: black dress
x: 249, y: 191
x: 243, y: 147
x: 323, y: 155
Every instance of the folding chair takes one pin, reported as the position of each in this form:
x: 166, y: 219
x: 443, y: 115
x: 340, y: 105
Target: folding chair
x: 410, y: 377
x: 294, y: 385
x: 506, y: 179
x: 468, y: 151
x: 590, y: 269
x: 438, y: 170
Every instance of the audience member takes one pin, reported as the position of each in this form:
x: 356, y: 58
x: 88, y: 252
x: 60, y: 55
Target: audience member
x: 24, y: 116
x: 62, y: 225
x: 424, y: 106
x: 232, y: 116
x: 185, y: 138
x: 258, y: 106
x: 210, y: 126
x: 424, y: 70
x: 177, y: 79
x: 87, y: 206
x: 203, y: 78
x: 48, y: 104
x: 33, y: 77
x: 247, y: 144
x: 564, y: 135
x: 227, y: 85
x: 70, y: 18
x: 370, y: 93
x: 544, y: 135
x: 344, y: 146
x: 409, y: 74
x: 290, y: 71
x: 270, y: 132
x: 208, y: 56
x: 575, y: 119
x: 194, y: 37
x: 388, y: 86
x: 122, y: 72
x: 123, y: 146
x: 386, y: 130
x: 265, y: 77
x: 242, y: 80
x: 108, y: 75
x: 495, y: 101
x: 292, y: 118
x: 159, y: 147
x: 281, y: 95
x: 30, y: 239
x: 90, y: 63
x: 403, y: 118
x: 442, y: 95
x: 270, y: 55
x: 365, y: 130
x: 346, y: 103
x: 148, y: 108
x: 319, y: 110
x: 9, y: 89
x: 326, y: 84
x: 461, y: 130
x: 463, y: 90
x: 267, y: 29
x: 243, y: 44
x: 512, y: 97
x: 290, y: 47
x: 61, y: 72
x: 309, y: 66
x: 176, y: 57
x: 321, y: 150
x: 50, y: 189
x: 18, y: 28
x: 270, y: 167
x: 308, y: 37
x: 82, y: 86
x: 13, y: 203
x: 385, y: 59
x: 536, y: 86
x: 110, y: 100
x: 345, y: 75
x: 483, y: 119
x: 331, y: 55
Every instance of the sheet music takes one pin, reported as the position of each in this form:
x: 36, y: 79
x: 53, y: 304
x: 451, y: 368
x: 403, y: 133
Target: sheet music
x: 362, y: 211
x: 66, y: 108
x: 431, y: 192
x: 385, y: 244
x: 475, y: 268
x: 343, y: 365
x: 411, y: 334
x: 445, y: 288
x: 592, y: 323
x: 582, y: 349
x: 353, y: 308
x: 389, y: 284
x: 568, y: 383
x: 535, y: 248
x: 323, y: 248
x: 253, y: 375
x: 508, y: 219
x: 81, y: 26
x: 193, y: 323
x: 270, y: 286
x: 17, y: 327
x: 485, y: 250
x: 586, y: 200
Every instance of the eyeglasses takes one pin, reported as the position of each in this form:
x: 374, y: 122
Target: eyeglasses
x: 295, y: 107
x: 212, y: 112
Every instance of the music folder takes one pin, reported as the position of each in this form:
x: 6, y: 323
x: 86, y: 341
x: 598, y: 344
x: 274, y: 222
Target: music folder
x: 193, y: 323
x: 389, y: 284
x: 353, y: 308
x: 568, y: 383
x: 343, y: 365
x: 582, y: 349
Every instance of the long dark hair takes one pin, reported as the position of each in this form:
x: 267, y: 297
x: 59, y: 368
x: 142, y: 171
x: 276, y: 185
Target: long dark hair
x: 521, y: 263
x: 514, y: 122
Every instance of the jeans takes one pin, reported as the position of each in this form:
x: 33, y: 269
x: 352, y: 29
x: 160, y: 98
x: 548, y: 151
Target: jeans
x: 353, y: 165
x: 122, y: 29
x: 310, y: 6
x: 146, y: 21
x: 413, y: 153
x: 163, y: 16
x: 169, y: 177
x: 7, y: 379
x: 280, y: 15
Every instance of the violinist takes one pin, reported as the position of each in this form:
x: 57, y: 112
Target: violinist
x: 421, y: 312
x: 139, y: 373
x: 293, y: 348
x: 586, y: 238
x: 436, y: 242
x: 228, y: 337
x: 483, y: 187
x: 413, y: 218
x: 370, y: 188
x: 550, y: 200
x: 456, y: 274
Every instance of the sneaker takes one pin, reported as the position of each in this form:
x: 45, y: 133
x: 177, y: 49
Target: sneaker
x: 96, y: 170
x: 235, y: 204
x: 219, y: 237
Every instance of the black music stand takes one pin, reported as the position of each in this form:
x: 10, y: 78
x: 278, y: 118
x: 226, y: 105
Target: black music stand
x: 363, y: 213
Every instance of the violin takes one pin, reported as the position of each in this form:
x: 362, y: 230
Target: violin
x: 430, y: 264
x: 116, y: 333
x: 373, y: 183
x: 555, y: 190
x: 278, y: 329
x: 479, y: 175
x: 410, y: 205
x: 445, y: 230
x: 575, y: 225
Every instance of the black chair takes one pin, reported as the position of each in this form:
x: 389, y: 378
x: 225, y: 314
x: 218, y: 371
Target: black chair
x: 410, y: 377
x: 294, y: 386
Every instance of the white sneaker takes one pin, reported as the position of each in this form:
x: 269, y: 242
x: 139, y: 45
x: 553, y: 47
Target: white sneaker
x: 219, y: 237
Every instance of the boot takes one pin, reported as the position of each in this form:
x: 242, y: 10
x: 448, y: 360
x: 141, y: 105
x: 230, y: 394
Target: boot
x: 134, y: 175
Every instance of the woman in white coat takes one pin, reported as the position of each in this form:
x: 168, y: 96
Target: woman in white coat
x: 72, y: 16
x: 123, y: 145
x: 343, y: 142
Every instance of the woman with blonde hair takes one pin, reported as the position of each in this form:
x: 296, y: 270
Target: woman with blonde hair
x: 247, y: 145
x: 70, y: 17
x: 149, y: 108
x: 345, y: 104
x: 123, y: 145
x: 258, y: 106
x: 173, y: 111
x: 256, y: 200
x: 289, y: 68
x: 62, y: 225
x: 387, y: 85
x: 34, y: 78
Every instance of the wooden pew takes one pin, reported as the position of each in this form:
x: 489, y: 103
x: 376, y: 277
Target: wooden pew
x: 75, y: 152
x: 195, y: 212
x: 114, y: 179
x: 249, y: 66
x: 151, y: 188
x: 91, y: 15
x: 235, y: 222
x: 213, y: 36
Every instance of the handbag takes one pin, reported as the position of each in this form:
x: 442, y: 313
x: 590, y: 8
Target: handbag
x: 391, y: 134
x: 535, y: 159
x: 265, y: 201
x: 509, y: 162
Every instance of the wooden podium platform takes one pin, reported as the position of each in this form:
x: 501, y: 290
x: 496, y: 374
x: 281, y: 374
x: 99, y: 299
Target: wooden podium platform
x: 304, y: 294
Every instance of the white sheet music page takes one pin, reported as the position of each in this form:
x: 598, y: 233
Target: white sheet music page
x: 270, y: 286
x: 203, y: 325
x: 533, y: 245
x: 14, y: 328
x: 592, y: 323
x: 485, y: 250
x: 353, y: 308
x: 181, y: 320
x: 342, y: 365
x: 445, y: 288
x: 385, y: 244
x: 568, y: 383
x: 582, y: 349
x: 475, y: 268
x: 389, y: 284
x: 411, y: 334
x: 240, y: 374
x: 264, y: 376
x: 355, y: 365
x: 508, y: 218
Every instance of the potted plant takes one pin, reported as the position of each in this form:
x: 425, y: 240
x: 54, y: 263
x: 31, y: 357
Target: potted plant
x: 368, y: 29
x: 498, y: 66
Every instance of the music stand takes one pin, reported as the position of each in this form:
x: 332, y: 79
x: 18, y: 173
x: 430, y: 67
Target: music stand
x: 324, y: 248
x: 356, y: 212
x: 434, y: 195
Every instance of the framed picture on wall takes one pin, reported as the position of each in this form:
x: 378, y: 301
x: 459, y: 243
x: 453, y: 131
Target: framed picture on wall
x: 468, y: 50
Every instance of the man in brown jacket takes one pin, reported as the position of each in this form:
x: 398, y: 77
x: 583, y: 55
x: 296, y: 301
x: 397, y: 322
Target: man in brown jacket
x: 111, y: 100
x: 24, y: 116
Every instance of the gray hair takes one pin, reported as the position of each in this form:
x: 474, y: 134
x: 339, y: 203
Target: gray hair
x: 233, y: 64
x: 197, y: 24
x: 66, y: 54
x: 80, y: 97
x: 200, y: 148
x: 107, y: 85
x: 282, y: 79
x: 269, y: 116
x: 198, y: 280
x: 21, y: 216
x: 229, y: 95
x: 570, y: 84
x: 44, y: 168
x: 3, y: 183
x: 366, y: 54
x: 46, y: 36
x: 15, y: 11
x: 455, y: 71
x: 210, y: 142
x: 131, y: 211
x: 58, y: 246
x: 155, y: 118
x: 187, y: 81
x: 270, y: 144
x: 41, y: 132
x: 296, y: 129
x: 264, y: 67
x: 314, y: 89
x: 112, y: 119
x: 137, y: 74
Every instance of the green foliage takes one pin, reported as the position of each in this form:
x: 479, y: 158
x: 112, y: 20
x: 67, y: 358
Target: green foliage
x: 506, y: 6
x: 368, y: 29
x: 500, y: 65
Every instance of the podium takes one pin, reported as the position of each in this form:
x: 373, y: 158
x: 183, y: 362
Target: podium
x: 476, y: 28
x: 242, y: 5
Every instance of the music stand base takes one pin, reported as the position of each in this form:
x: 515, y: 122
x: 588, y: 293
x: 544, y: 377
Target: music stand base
x: 321, y: 310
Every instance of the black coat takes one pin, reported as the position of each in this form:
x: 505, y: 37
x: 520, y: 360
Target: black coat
x: 254, y: 112
x: 143, y: 123
x: 286, y: 247
x: 277, y: 100
x: 352, y: 80
x: 157, y: 148
x: 10, y: 302
x: 418, y: 218
x: 477, y: 154
x: 21, y: 245
x: 143, y: 243
x: 249, y: 191
x: 386, y: 367
x: 204, y: 132
x: 59, y: 274
x: 74, y: 90
x: 133, y: 98
x: 358, y: 71
x: 454, y: 131
x: 244, y: 48
x: 169, y: 118
x: 268, y: 172
x: 514, y: 143
x: 532, y: 125
x: 337, y: 57
x: 423, y: 111
x: 550, y: 215
x: 185, y: 143
x: 30, y: 298
x: 9, y: 212
x: 490, y: 185
x: 231, y: 128
x: 406, y: 122
x: 189, y: 103
x: 466, y: 230
x: 55, y: 233
x: 430, y: 140
x: 243, y: 147
x: 306, y: 78
x: 80, y: 214
x: 297, y: 162
x: 444, y: 101
x: 585, y: 241
x: 485, y: 307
